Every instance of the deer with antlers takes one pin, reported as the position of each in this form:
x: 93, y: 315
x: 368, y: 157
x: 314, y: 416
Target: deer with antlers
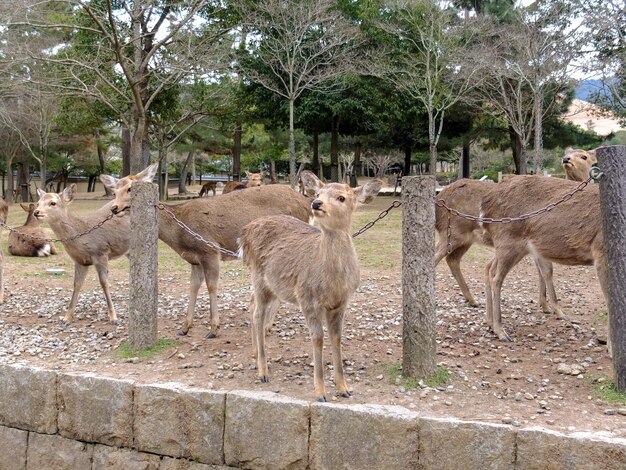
x: 316, y: 269
x: 219, y: 221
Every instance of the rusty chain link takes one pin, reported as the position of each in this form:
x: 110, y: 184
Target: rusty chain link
x: 197, y: 236
x: 61, y: 240
x: 382, y: 215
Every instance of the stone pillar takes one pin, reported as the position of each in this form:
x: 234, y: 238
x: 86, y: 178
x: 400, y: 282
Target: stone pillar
x: 143, y: 285
x: 612, y: 162
x: 418, y: 276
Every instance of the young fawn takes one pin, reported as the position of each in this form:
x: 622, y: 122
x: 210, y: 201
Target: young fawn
x: 316, y: 269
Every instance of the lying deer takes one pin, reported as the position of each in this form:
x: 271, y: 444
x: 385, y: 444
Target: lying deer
x: 557, y: 236
x: 464, y: 195
x: 254, y: 180
x: 577, y: 163
x: 95, y: 247
x: 208, y: 186
x: 4, y: 212
x: 31, y: 239
x: 316, y: 269
x: 218, y: 220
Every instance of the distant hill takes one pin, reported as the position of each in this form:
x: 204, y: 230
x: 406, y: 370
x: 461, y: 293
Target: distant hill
x: 586, y: 87
x: 588, y: 116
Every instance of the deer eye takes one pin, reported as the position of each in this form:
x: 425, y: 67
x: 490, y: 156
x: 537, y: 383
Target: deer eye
x: 52, y: 203
x: 341, y: 199
x: 584, y: 157
x: 129, y: 190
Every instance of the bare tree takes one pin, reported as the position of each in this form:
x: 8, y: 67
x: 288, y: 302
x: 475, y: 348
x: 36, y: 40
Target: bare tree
x: 381, y: 162
x: 296, y: 46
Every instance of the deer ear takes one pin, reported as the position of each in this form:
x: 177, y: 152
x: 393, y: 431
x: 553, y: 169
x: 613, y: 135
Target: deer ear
x: 366, y: 193
x: 24, y: 207
x: 568, y: 150
x: 311, y: 183
x: 592, y: 154
x: 148, y: 174
x: 40, y: 192
x: 68, y: 193
x: 109, y: 181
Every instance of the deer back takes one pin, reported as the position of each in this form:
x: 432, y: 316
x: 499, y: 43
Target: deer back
x: 570, y: 233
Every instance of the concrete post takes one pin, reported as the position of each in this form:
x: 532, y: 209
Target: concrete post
x: 144, y: 235
x: 418, y: 276
x: 612, y: 162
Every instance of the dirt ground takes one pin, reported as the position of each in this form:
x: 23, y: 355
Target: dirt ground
x: 547, y: 376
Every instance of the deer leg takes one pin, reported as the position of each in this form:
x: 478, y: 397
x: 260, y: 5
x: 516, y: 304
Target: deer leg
x: 505, y: 260
x: 80, y: 272
x: 600, y: 264
x: 316, y: 331
x: 271, y: 309
x: 488, y: 294
x: 1, y: 277
x: 335, y: 327
x: 263, y: 301
x: 546, y: 286
x: 211, y: 266
x: 454, y: 263
x: 197, y: 276
x: 102, y: 268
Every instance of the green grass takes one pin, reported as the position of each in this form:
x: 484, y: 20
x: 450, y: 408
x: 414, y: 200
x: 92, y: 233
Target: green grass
x: 607, y: 392
x: 440, y: 377
x: 162, y: 344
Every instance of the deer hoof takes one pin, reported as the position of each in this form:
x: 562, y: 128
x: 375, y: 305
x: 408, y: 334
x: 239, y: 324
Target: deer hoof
x: 345, y: 395
x: 181, y: 333
x: 115, y: 322
x: 64, y: 323
x: 211, y: 335
x: 264, y: 379
x: 322, y: 399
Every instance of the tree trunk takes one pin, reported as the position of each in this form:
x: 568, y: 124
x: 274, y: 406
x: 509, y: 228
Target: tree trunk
x: 432, y: 165
x: 408, y: 154
x: 23, y: 176
x: 163, y: 172
x: 125, y: 151
x: 272, y: 172
x: 237, y: 153
x: 516, y: 148
x: 182, y: 189
x: 334, y: 150
x: 465, y: 160
x: 9, y: 195
x: 101, y: 161
x: 292, y: 147
x: 538, y: 103
x: 315, y: 163
x: 356, y: 167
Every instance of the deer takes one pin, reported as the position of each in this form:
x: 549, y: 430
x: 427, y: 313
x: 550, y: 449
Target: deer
x: 219, y: 221
x: 314, y: 268
x: 4, y: 212
x: 31, y: 239
x: 577, y: 163
x: 254, y: 180
x: 208, y: 186
x: 557, y: 236
x: 465, y: 195
x: 85, y: 247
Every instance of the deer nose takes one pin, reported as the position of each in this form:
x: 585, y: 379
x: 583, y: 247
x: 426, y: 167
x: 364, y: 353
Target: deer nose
x: 36, y: 213
x: 316, y: 205
x: 114, y: 209
x: 565, y: 159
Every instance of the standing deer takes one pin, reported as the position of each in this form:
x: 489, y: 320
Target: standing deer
x: 254, y: 180
x: 208, y: 186
x: 31, y: 239
x: 95, y: 247
x: 4, y: 212
x: 316, y: 269
x: 465, y: 195
x: 571, y: 233
x: 218, y: 220
x: 577, y: 163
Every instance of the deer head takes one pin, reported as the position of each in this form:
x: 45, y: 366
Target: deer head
x: 121, y: 187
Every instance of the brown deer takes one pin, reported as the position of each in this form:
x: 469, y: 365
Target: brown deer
x: 95, y: 247
x: 218, y: 220
x: 316, y: 269
x: 465, y: 195
x: 31, y: 239
x: 208, y: 186
x: 254, y: 180
x: 557, y: 236
x: 4, y: 212
x: 577, y: 163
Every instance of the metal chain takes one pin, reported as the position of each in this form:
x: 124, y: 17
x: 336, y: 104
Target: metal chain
x: 61, y: 240
x: 505, y: 220
x: 382, y: 215
x: 197, y: 236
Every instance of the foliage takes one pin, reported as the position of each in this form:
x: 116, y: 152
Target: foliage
x: 162, y: 344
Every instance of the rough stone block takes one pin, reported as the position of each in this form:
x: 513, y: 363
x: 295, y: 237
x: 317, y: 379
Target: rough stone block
x: 57, y: 453
x: 12, y: 448
x: 363, y: 436
x: 105, y: 457
x: 266, y: 431
x: 96, y: 409
x: 28, y: 398
x: 453, y: 444
x: 177, y: 421
x: 169, y: 463
x: 543, y: 449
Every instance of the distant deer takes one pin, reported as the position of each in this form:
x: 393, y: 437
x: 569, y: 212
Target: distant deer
x: 571, y: 233
x: 4, y: 212
x: 31, y: 239
x: 577, y: 163
x: 316, y: 269
x: 218, y: 220
x: 208, y: 186
x: 254, y: 180
x: 95, y: 248
x: 465, y: 195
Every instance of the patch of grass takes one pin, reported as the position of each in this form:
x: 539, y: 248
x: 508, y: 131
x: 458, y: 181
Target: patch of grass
x: 440, y: 377
x: 162, y: 344
x: 607, y: 392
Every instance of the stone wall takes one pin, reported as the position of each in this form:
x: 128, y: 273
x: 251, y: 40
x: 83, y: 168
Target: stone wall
x: 51, y: 420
